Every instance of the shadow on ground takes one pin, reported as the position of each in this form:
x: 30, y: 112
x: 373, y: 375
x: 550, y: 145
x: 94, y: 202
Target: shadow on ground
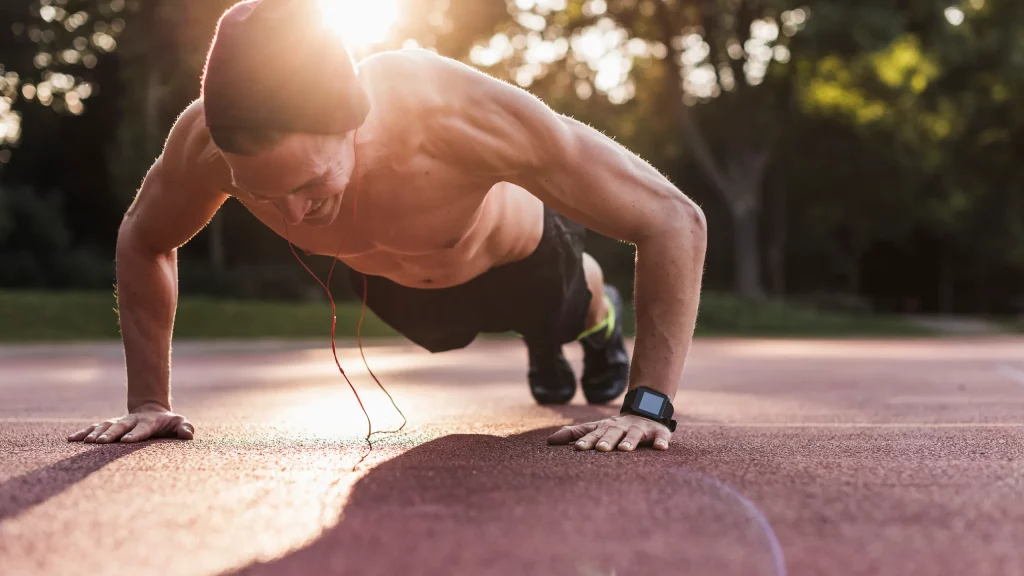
x: 31, y: 489
x: 473, y: 504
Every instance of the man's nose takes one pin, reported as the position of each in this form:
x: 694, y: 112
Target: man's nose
x: 292, y: 208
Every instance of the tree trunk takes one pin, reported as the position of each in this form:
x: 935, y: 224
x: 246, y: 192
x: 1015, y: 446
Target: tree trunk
x: 777, y: 247
x: 152, y: 113
x: 739, y: 184
x: 945, y: 283
x: 746, y: 254
x: 215, y: 238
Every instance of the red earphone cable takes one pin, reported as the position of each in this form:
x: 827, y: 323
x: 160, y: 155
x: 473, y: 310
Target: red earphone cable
x: 334, y: 314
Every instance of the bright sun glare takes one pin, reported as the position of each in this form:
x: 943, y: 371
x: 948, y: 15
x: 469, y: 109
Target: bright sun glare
x: 360, y: 22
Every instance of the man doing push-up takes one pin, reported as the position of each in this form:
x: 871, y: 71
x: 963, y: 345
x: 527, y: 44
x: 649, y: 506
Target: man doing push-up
x: 458, y: 200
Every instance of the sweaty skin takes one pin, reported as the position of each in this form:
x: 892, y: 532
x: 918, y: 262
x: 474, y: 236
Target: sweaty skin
x: 447, y: 178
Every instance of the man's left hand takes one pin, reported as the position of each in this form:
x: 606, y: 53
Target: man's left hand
x: 624, y: 432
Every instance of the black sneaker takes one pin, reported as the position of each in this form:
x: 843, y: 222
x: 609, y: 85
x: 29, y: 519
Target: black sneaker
x: 605, y: 360
x: 551, y: 379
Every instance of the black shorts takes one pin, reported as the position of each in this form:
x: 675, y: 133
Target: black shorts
x: 543, y: 297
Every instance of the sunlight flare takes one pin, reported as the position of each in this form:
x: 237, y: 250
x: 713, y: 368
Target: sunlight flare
x: 360, y: 22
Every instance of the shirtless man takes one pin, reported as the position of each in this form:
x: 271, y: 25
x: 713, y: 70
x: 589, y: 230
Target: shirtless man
x: 458, y: 200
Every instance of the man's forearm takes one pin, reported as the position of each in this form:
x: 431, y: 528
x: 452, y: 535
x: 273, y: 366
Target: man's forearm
x: 147, y: 298
x: 669, y: 270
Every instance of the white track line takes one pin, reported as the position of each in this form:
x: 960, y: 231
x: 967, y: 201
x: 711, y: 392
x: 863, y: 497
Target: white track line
x: 1012, y: 373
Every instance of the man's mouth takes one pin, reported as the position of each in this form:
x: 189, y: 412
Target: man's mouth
x: 317, y: 210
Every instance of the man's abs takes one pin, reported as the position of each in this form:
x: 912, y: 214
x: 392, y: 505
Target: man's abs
x: 507, y: 227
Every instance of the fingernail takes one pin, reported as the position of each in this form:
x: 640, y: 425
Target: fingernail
x: 625, y: 445
x: 662, y: 444
x: 581, y: 444
x: 104, y: 437
x: 602, y: 445
x: 127, y: 436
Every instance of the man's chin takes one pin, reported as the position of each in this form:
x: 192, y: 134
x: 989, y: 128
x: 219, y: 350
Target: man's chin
x: 321, y: 221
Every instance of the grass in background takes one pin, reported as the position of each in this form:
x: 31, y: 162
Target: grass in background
x: 66, y: 316
x: 1014, y: 325
x: 728, y: 315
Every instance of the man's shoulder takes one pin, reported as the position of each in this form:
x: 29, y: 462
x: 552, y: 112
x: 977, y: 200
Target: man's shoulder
x: 420, y: 95
x: 407, y: 61
x: 421, y: 78
x: 189, y: 149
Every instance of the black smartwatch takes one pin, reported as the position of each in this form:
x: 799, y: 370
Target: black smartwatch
x: 650, y: 404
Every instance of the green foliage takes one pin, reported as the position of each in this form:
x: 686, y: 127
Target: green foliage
x: 55, y: 45
x: 37, y: 249
x: 888, y: 129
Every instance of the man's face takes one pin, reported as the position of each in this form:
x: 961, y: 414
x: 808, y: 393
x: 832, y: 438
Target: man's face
x: 304, y: 176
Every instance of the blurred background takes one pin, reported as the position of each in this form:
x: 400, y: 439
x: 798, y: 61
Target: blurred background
x: 859, y: 162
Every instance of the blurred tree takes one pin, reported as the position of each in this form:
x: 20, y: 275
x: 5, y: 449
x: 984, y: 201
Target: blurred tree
x: 856, y: 147
x: 740, y: 78
x: 716, y: 55
x: 49, y: 50
x: 946, y: 92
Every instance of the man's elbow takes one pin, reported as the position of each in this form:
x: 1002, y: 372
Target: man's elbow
x: 696, y: 222
x: 133, y: 243
x: 683, y: 221
x: 127, y: 236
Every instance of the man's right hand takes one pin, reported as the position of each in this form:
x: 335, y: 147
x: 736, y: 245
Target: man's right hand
x: 142, y: 424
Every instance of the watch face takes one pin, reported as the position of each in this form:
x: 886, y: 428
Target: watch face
x: 650, y: 404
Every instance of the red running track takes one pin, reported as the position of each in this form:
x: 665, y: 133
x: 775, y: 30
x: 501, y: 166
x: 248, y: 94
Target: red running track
x: 798, y: 457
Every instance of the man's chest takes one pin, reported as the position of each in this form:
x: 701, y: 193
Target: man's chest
x: 414, y: 207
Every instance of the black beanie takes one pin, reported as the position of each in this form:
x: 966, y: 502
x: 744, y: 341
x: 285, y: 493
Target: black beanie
x: 276, y: 65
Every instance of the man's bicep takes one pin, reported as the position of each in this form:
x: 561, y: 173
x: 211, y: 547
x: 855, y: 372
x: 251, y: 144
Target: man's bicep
x: 179, y: 195
x: 503, y: 133
x: 168, y: 211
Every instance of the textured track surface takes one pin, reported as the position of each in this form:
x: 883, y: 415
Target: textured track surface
x: 798, y: 457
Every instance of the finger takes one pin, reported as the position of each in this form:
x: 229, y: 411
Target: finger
x: 588, y: 441
x: 114, y: 433
x: 142, y: 431
x: 633, y: 437
x: 611, y: 439
x: 97, y: 431
x: 185, y: 430
x: 81, y: 434
x: 662, y: 438
x: 570, y: 433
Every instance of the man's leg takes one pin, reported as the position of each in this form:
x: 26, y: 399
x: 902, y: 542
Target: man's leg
x: 551, y: 378
x: 605, y: 360
x: 595, y: 282
x: 566, y: 300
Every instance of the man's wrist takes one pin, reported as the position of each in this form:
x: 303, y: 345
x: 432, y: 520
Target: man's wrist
x: 651, y: 404
x: 149, y: 406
